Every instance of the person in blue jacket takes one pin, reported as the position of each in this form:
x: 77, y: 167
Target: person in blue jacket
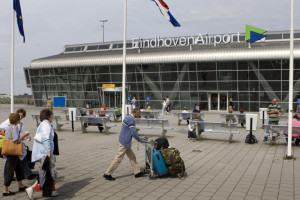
x: 128, y: 131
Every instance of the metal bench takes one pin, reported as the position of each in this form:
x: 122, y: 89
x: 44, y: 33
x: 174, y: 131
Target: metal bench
x: 58, y: 121
x: 66, y: 112
x: 109, y: 113
x: 149, y: 114
x: 215, y: 127
x: 186, y: 116
x: 158, y: 124
x: 95, y: 121
x: 234, y: 118
x: 281, y: 131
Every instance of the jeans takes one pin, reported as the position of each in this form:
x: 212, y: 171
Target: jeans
x: 268, y: 129
x: 27, y: 170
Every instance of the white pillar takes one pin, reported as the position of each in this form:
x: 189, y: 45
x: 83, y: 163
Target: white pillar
x: 124, y: 60
x: 291, y: 84
x: 12, y: 64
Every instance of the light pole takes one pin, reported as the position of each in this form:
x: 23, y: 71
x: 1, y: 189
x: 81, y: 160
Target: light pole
x: 103, y: 21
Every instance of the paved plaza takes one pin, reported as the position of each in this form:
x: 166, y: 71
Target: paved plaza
x: 215, y: 168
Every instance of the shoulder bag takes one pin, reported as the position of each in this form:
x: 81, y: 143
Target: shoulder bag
x: 10, y: 148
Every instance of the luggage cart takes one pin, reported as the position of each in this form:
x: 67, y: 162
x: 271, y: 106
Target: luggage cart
x: 149, y: 159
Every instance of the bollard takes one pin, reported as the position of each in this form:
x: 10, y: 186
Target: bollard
x: 72, y: 121
x: 263, y: 122
x: 251, y: 136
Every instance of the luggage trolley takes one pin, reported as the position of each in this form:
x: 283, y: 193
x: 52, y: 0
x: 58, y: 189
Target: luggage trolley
x: 154, y: 163
x: 149, y: 146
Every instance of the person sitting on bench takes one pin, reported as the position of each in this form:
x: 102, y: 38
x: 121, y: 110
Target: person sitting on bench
x: 230, y: 118
x: 100, y: 126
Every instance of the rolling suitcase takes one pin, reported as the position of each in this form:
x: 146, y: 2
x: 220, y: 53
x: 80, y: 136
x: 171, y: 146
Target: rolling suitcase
x: 159, y: 166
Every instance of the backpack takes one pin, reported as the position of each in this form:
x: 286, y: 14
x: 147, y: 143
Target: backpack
x: 161, y: 143
x: 248, y: 139
x: 173, y: 161
x: 191, y: 134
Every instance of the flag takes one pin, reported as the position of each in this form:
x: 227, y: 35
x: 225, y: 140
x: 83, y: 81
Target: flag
x: 17, y: 8
x: 164, y: 9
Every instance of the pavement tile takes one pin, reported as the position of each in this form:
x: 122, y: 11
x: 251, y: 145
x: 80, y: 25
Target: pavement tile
x: 221, y: 170
x: 199, y: 197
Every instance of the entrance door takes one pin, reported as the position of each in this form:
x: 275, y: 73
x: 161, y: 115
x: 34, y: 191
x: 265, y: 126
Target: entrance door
x: 217, y: 101
x: 214, y: 100
x: 112, y: 99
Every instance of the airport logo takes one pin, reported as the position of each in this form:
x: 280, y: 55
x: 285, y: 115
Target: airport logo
x: 254, y: 34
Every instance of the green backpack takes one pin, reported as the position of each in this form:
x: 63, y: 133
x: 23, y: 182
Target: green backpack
x: 173, y: 161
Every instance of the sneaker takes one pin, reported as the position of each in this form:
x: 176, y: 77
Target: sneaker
x: 140, y: 174
x: 54, y: 194
x: 108, y: 177
x: 29, y: 191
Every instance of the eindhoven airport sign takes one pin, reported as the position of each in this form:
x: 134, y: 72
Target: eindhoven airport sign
x: 186, y: 41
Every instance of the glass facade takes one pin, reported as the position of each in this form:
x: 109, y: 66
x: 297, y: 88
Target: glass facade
x: 251, y: 84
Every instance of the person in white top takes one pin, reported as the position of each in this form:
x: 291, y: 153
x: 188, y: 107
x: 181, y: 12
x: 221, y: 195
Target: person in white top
x: 187, y: 117
x: 133, y: 103
x: 164, y: 106
x: 168, y: 104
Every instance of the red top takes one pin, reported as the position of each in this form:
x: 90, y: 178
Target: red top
x: 102, y: 113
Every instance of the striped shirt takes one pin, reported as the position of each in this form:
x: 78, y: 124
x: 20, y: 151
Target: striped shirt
x: 277, y: 108
x: 128, y: 131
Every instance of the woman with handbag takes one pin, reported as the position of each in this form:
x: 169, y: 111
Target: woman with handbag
x: 43, y: 147
x: 13, y: 161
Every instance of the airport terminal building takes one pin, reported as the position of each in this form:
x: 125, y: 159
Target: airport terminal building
x: 202, y: 69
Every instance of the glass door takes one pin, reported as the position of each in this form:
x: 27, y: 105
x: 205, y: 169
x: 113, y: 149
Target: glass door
x: 214, y: 100
x: 223, y: 101
x: 217, y: 101
x: 113, y: 99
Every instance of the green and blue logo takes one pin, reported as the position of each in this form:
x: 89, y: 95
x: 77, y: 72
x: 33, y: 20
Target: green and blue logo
x: 253, y: 34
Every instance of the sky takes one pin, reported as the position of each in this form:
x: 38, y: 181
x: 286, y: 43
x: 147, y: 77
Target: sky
x: 50, y: 25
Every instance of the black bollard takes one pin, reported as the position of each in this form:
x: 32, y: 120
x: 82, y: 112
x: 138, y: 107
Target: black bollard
x: 263, y: 122
x: 72, y: 121
x: 251, y: 136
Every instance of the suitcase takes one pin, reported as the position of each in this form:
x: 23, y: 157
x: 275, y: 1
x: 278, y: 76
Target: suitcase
x: 159, y: 165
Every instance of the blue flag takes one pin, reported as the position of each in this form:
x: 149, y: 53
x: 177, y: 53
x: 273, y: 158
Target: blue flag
x: 17, y: 8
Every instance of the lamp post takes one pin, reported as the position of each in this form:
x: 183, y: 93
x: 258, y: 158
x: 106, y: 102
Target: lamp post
x: 103, y: 21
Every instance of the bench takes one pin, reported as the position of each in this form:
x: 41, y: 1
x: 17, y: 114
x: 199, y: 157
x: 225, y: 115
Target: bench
x: 95, y: 121
x: 234, y: 118
x: 158, y: 124
x: 281, y: 131
x: 66, y: 112
x: 149, y: 114
x: 215, y: 127
x: 109, y: 113
x: 58, y: 121
x: 187, y: 116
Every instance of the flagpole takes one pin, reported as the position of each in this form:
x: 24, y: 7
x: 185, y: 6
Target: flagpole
x: 124, y: 60
x: 12, y: 64
x: 291, y: 84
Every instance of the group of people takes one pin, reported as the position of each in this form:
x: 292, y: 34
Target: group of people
x: 45, y: 147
